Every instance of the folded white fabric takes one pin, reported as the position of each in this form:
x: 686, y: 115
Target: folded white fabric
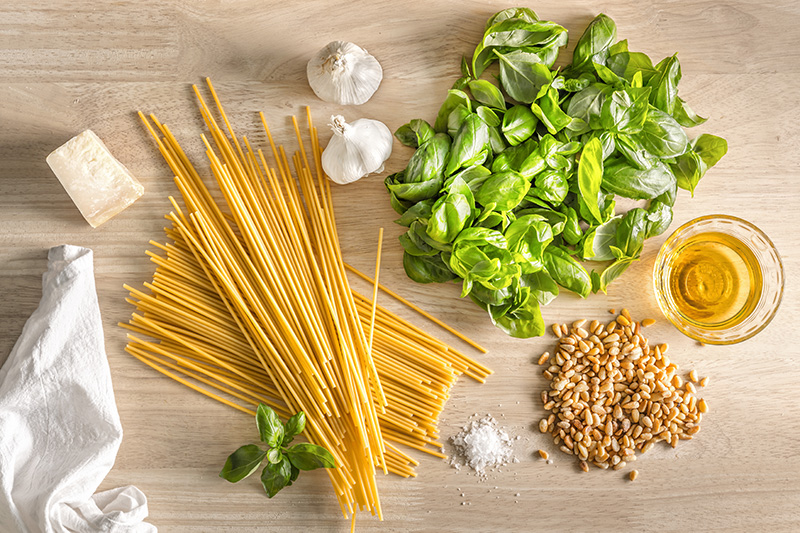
x: 59, y: 425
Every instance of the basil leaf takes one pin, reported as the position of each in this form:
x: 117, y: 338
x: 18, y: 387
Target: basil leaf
x: 519, y: 123
x: 631, y: 233
x: 523, y: 74
x: 274, y: 455
x: 633, y: 151
x: 270, y: 428
x: 276, y: 476
x: 451, y: 213
x: 555, y: 219
x: 293, y: 427
x: 469, y: 145
x: 518, y: 33
x: 685, y: 116
x: 428, y: 162
x: 415, y: 133
x: 627, y: 64
x: 487, y: 94
x: 454, y: 98
x: 549, y: 112
x: 622, y: 179
x: 710, y: 148
x: 242, y: 463
x: 414, y: 192
x: 427, y: 269
x: 522, y: 13
x: 665, y: 84
x: 590, y: 176
x: 306, y: 456
x: 587, y: 105
x: 594, y: 43
x: 611, y: 272
x: 506, y: 190
x: 659, y: 217
x: 527, y: 237
x: 566, y: 271
x: 661, y: 135
x: 522, y: 321
x: 597, y: 242
x: 572, y: 229
x: 541, y: 285
x: 625, y: 111
x: 419, y: 210
x: 688, y: 168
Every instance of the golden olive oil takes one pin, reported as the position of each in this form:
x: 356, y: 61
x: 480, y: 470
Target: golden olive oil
x: 715, y: 280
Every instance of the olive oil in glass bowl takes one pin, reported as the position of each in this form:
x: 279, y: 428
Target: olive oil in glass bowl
x: 718, y: 279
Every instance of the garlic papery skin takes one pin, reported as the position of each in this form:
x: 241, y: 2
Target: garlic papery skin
x: 356, y: 149
x: 344, y: 73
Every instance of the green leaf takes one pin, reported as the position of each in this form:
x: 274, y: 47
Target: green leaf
x: 661, y: 135
x: 594, y: 43
x: 665, y: 84
x: 688, y: 168
x: 428, y: 162
x: 427, y: 269
x: 487, y: 94
x: 659, y: 217
x: 710, y: 148
x: 519, y: 123
x: 274, y: 455
x: 522, y: 75
x: 611, y: 272
x: 270, y: 428
x: 469, y: 145
x: 542, y: 286
x: 685, y: 116
x: 550, y: 186
x: 242, y: 463
x: 415, y: 133
x: 587, y: 105
x: 527, y: 237
x: 454, y: 98
x: 306, y: 456
x: 276, y: 476
x: 506, y: 190
x: 419, y: 210
x: 631, y: 233
x: 522, y: 320
x: 623, y: 179
x: 597, y: 243
x: 590, y: 175
x: 627, y: 64
x: 572, y: 229
x: 549, y: 113
x: 566, y: 271
x: 451, y: 213
x: 522, y: 13
x: 626, y: 111
x: 293, y: 427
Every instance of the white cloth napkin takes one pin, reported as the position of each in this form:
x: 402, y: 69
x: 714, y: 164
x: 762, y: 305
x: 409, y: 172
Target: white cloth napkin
x: 59, y: 425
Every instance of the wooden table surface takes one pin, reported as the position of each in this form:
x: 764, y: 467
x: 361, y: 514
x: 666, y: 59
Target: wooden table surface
x: 70, y: 65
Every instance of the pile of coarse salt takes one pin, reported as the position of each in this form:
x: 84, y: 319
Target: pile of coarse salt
x: 481, y: 445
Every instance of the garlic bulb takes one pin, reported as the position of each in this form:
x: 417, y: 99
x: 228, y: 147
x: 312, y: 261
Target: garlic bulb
x: 344, y: 73
x: 356, y: 149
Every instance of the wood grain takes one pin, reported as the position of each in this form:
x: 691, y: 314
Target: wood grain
x: 67, y: 66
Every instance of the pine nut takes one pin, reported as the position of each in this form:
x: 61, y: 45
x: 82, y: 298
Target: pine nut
x: 633, y: 475
x: 543, y: 454
x: 647, y: 322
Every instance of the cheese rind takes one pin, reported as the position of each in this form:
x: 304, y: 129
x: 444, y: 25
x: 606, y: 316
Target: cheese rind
x: 99, y: 185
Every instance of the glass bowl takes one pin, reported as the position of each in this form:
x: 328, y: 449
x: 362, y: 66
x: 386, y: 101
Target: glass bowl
x: 682, y: 272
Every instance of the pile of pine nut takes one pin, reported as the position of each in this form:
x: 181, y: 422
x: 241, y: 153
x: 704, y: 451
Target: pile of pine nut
x: 612, y: 394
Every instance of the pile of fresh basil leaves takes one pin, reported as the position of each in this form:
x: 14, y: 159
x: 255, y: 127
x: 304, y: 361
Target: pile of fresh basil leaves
x: 514, y: 185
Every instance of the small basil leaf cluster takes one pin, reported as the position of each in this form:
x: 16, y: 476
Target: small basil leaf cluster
x: 283, y: 463
x: 513, y: 189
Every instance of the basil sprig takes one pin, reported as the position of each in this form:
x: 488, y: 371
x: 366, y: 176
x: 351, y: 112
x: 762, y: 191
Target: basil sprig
x: 514, y: 186
x: 284, y: 462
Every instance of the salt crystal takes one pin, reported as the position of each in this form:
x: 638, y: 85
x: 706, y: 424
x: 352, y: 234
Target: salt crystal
x: 481, y: 445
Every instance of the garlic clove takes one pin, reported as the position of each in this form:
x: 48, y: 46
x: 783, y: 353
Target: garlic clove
x: 344, y: 73
x: 356, y: 149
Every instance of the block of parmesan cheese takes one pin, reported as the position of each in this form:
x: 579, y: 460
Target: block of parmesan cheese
x: 99, y: 185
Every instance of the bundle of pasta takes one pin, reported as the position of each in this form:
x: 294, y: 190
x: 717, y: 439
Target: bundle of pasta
x: 250, y: 303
